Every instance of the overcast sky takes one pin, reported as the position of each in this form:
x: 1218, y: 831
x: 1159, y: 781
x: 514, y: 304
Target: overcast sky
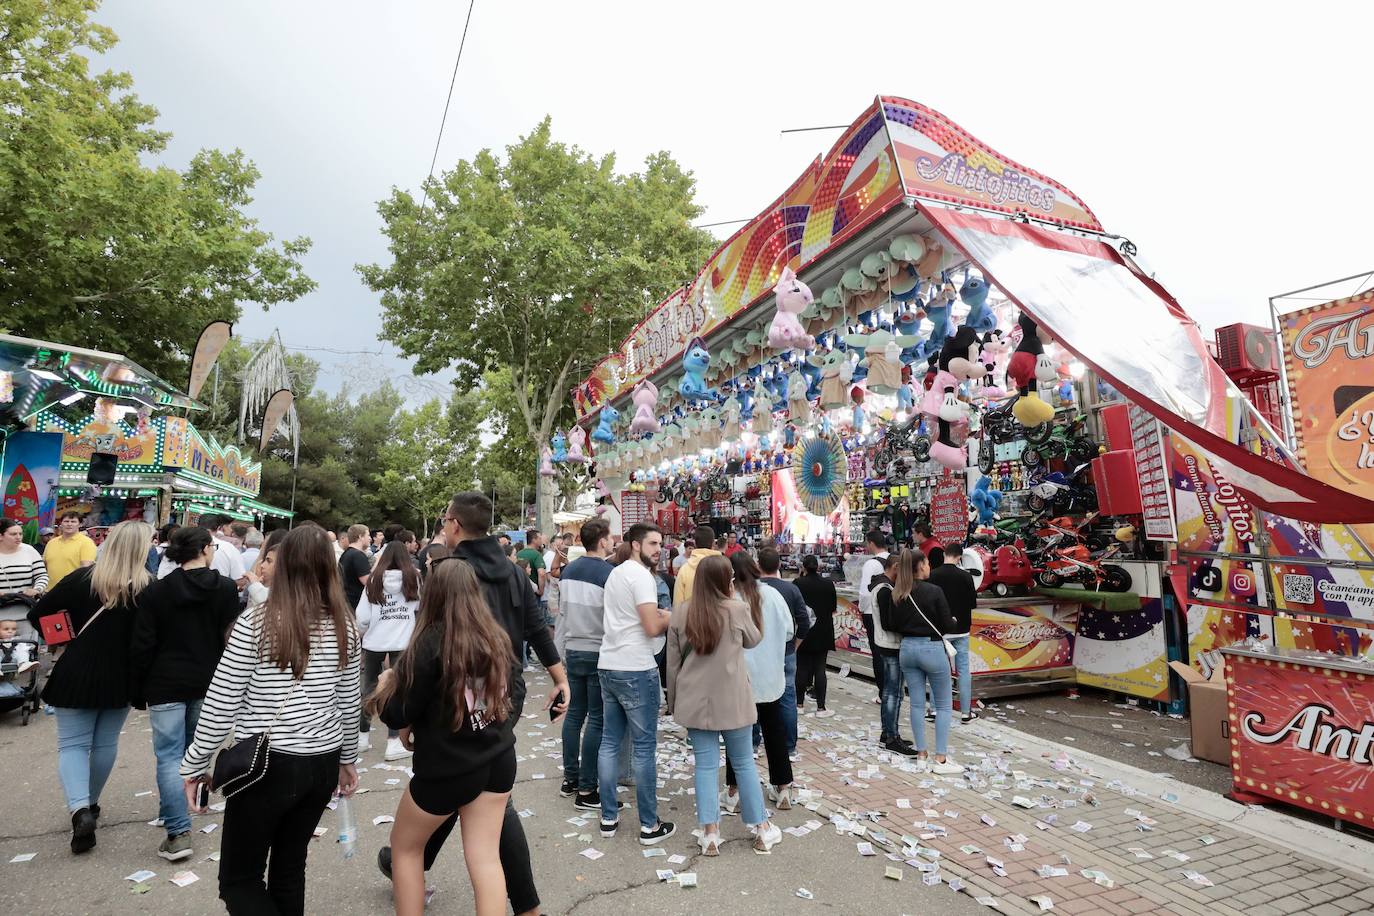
x: 1228, y: 143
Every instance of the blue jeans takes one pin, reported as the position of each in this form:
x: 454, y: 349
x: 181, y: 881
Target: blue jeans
x: 87, y: 740
x: 174, y: 725
x: 891, y: 694
x: 629, y: 702
x: 584, y: 707
x: 960, y: 644
x: 706, y: 750
x: 789, y: 700
x: 924, y: 660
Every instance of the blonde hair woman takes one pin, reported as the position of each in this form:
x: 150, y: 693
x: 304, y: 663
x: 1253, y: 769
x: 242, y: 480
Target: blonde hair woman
x: 89, y: 684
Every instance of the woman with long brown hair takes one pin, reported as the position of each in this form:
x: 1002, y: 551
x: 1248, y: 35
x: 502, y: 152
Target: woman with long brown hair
x: 709, y: 695
x: 89, y: 684
x: 767, y: 677
x: 386, y: 618
x: 290, y: 670
x: 449, y: 689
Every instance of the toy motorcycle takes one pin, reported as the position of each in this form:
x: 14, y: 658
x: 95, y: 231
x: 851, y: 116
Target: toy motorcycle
x: 1061, y: 494
x: 1069, y: 442
x: 1076, y: 563
x: 998, y: 426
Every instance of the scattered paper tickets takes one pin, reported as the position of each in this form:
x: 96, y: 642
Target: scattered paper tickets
x: 903, y: 803
x: 676, y: 860
x: 1081, y: 827
x: 987, y: 819
x: 1098, y: 877
x: 383, y: 819
x: 930, y: 878
x: 865, y: 849
x: 1198, y: 878
x: 687, y: 879
x: 655, y: 851
x: 184, y: 878
x: 665, y: 874
x: 992, y: 902
x: 804, y: 894
x: 209, y: 828
x: 955, y: 885
x: 592, y: 854
x: 1206, y: 840
x: 1043, y: 901
x: 140, y: 876
x: 1052, y: 871
x: 24, y: 857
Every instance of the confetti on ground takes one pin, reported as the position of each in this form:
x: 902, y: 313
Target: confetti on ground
x: 804, y: 894
x: 687, y: 879
x: 140, y: 876
x: 24, y: 857
x: 1043, y: 901
x: 184, y: 878
x: 592, y: 854
x: 383, y: 819
x: 892, y: 872
x: 209, y: 828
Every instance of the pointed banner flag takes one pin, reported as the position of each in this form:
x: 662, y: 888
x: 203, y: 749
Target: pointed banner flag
x: 208, y: 347
x: 277, y: 406
x: 1129, y: 330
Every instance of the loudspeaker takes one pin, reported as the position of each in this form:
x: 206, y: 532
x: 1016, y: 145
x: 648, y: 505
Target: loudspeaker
x: 102, y: 470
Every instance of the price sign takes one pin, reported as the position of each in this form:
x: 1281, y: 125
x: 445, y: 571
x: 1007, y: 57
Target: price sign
x: 1156, y: 490
x: 949, y: 509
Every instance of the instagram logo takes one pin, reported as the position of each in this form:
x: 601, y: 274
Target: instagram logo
x: 1242, y: 583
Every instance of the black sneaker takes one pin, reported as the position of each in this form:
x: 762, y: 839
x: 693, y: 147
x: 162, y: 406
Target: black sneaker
x: 608, y: 828
x: 591, y: 801
x: 384, y: 861
x: 660, y: 833
x: 973, y: 714
x: 83, y: 831
x: 898, y: 746
x: 568, y: 789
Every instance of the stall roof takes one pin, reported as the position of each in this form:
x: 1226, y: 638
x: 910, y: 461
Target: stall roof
x: 266, y: 508
x: 44, y: 374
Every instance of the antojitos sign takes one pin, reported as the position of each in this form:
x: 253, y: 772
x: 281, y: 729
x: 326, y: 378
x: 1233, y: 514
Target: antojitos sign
x: 1304, y: 734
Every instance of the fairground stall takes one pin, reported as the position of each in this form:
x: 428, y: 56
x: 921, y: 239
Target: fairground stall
x: 922, y: 332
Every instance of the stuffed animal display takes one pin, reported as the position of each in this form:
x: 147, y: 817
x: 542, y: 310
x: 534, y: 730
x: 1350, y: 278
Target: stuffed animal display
x: 645, y: 398
x: 695, y: 362
x: 577, y: 445
x: 974, y: 294
x: 793, y: 298
x: 883, y: 351
x: 986, y: 500
x: 559, y: 444
x: 835, y: 376
x: 763, y: 408
x: 546, y: 463
x: 1026, y: 371
x: 605, y: 431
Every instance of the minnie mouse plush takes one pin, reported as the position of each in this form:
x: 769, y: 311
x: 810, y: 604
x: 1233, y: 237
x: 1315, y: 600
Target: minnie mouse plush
x: 957, y: 363
x: 1028, y: 367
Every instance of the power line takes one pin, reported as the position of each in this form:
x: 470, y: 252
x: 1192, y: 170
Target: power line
x: 444, y: 120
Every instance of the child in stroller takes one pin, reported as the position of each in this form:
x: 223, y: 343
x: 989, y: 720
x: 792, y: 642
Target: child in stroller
x: 18, y: 671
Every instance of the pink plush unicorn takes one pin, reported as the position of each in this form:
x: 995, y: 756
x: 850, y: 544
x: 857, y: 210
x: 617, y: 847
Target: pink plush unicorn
x: 645, y: 397
x: 577, y: 445
x: 786, y: 332
x: 546, y: 464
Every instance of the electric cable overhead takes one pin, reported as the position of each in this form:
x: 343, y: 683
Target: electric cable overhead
x: 444, y: 120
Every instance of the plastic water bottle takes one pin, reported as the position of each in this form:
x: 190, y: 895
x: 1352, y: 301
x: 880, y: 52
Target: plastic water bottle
x: 348, y: 828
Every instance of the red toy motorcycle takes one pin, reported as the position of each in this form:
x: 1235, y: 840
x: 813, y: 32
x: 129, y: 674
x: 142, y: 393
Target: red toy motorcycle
x: 1074, y: 562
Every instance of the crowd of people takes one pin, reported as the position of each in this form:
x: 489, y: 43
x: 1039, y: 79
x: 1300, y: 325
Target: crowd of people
x: 296, y: 640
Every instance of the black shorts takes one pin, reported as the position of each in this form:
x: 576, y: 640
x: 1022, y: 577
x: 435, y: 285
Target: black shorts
x: 445, y: 795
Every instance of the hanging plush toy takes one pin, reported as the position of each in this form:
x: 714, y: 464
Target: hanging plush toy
x: 882, y: 361
x: 797, y: 404
x: 560, y: 447
x: 812, y: 373
x: 1026, y: 371
x: 859, y: 416
x: 729, y: 412
x: 695, y: 362
x: 645, y: 398
x: 993, y: 352
x: 604, y: 432
x: 928, y: 267
x: 710, y: 428
x: 906, y: 399
x: 546, y: 464
x: 577, y: 445
x: 937, y: 310
x: 908, y: 322
x: 974, y: 294
x: 793, y: 297
x: 835, y: 376
x: 986, y: 500
x: 763, y: 408
x: 942, y: 400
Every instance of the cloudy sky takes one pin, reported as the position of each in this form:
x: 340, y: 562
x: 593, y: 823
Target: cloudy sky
x: 1225, y: 141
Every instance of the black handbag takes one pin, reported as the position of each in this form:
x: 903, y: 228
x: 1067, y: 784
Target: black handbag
x: 244, y: 762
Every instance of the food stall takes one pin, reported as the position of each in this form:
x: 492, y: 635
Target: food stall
x: 920, y: 330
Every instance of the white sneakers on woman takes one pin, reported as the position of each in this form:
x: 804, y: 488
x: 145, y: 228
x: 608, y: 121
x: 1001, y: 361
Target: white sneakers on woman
x: 709, y: 843
x: 948, y: 768
x: 395, y: 750
x: 765, y: 839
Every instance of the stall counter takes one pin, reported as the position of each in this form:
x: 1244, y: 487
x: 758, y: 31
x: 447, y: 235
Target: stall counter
x: 1302, y: 730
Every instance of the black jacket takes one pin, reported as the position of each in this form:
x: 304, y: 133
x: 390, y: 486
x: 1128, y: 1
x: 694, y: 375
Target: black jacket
x: 801, y: 621
x: 511, y: 597
x: 819, y: 594
x: 427, y: 709
x: 903, y: 617
x: 960, y: 592
x: 93, y: 670
x: 179, y: 634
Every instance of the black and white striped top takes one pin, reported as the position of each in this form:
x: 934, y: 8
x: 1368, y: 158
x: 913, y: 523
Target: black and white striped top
x: 22, y: 569
x: 320, y: 712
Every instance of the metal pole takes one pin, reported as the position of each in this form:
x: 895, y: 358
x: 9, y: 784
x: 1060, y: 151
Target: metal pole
x: 291, y: 522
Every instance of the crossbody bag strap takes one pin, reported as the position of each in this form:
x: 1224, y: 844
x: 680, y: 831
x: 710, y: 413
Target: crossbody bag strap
x: 944, y: 639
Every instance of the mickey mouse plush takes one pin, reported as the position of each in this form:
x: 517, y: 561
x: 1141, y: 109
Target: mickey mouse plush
x: 1028, y: 367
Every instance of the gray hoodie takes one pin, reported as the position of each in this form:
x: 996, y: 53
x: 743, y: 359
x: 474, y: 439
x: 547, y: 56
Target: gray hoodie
x: 582, y: 605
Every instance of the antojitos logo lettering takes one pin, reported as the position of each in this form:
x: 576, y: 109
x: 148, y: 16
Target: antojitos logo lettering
x: 1313, y: 731
x: 1013, y: 636
x: 1008, y: 187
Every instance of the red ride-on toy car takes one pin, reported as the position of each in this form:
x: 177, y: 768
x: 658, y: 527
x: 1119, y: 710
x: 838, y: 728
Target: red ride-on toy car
x: 1006, y: 568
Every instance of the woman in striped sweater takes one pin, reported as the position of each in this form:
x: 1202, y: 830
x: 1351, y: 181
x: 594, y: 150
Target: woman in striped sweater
x: 290, y: 669
x: 22, y: 576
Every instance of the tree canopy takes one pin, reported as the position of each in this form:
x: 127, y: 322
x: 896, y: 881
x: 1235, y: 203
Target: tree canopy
x: 98, y: 248
x: 533, y: 266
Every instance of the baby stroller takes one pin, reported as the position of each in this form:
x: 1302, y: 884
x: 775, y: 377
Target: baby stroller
x: 26, y: 682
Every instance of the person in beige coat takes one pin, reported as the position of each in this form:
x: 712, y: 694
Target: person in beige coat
x: 709, y: 694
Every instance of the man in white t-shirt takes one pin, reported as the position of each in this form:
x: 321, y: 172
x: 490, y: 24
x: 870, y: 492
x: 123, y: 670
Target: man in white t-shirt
x: 630, y: 688
x: 228, y: 561
x: 875, y: 545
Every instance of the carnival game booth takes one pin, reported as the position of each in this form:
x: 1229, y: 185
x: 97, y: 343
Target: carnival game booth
x: 920, y: 330
x: 39, y: 379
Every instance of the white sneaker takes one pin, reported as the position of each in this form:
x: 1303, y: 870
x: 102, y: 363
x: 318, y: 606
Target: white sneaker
x: 824, y: 713
x: 364, y: 742
x: 729, y: 803
x: 765, y: 840
x: 948, y: 768
x: 395, y: 750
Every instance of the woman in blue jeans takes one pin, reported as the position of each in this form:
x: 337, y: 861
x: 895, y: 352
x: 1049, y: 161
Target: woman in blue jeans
x: 710, y: 695
x: 179, y: 632
x: 89, y: 684
x: 918, y: 611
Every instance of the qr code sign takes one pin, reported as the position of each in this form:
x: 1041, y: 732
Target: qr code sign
x: 1298, y: 589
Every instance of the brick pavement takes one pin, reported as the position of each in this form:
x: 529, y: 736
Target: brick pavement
x: 1137, y: 846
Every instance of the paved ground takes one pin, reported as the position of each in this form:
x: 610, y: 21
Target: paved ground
x: 1082, y: 816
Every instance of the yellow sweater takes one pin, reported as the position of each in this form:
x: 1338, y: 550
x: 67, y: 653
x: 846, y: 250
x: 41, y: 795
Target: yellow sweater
x: 683, y: 590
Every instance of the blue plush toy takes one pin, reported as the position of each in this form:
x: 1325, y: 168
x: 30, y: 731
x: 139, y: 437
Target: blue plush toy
x: 695, y: 362
x: 937, y: 310
x: 986, y: 500
x: 559, y: 445
x: 908, y: 324
x: 974, y: 294
x: 812, y: 374
x: 603, y: 431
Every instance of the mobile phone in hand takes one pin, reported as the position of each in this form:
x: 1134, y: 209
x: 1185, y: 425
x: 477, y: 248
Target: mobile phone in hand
x: 203, y: 796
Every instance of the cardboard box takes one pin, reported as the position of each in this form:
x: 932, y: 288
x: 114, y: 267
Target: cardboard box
x: 1211, y: 726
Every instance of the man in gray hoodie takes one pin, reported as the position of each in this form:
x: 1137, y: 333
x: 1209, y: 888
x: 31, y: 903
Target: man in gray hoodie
x: 581, y: 595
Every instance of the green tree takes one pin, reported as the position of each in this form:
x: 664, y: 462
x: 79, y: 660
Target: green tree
x: 534, y: 264
x: 429, y: 457
x: 98, y: 248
